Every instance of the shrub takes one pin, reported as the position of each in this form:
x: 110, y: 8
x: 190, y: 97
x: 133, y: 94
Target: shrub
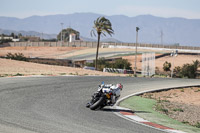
x: 187, y: 70
x: 16, y: 56
x: 177, y: 72
x: 197, y: 125
x: 178, y: 109
x: 160, y: 107
x: 190, y: 70
x: 118, y: 64
x: 122, y: 64
x: 166, y: 66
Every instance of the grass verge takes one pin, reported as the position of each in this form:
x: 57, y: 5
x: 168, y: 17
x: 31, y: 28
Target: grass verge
x: 143, y: 107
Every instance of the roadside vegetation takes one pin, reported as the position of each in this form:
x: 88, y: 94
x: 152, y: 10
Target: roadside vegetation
x: 16, y: 56
x: 118, y: 64
x: 145, y: 108
x: 171, y: 103
x: 185, y: 71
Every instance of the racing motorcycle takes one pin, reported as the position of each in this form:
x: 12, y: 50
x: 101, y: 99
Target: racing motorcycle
x: 106, y: 95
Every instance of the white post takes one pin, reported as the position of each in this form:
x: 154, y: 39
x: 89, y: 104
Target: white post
x: 61, y: 33
x: 137, y: 29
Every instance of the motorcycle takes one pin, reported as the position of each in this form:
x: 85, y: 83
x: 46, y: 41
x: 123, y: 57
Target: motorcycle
x: 106, y: 95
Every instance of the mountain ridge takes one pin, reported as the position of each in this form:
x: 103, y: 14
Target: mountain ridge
x: 173, y: 30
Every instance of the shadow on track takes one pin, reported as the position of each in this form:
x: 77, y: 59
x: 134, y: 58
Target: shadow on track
x: 122, y: 110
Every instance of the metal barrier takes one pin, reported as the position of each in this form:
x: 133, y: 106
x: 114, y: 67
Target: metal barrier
x: 114, y: 70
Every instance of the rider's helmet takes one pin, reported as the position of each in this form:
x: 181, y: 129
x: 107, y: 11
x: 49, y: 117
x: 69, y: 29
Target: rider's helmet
x: 120, y: 86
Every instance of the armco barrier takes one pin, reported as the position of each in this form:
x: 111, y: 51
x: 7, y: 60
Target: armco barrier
x: 113, y: 70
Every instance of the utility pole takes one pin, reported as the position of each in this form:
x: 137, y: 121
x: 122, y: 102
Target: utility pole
x: 137, y: 29
x: 42, y: 36
x: 61, y: 33
x: 173, y: 54
x: 161, y: 36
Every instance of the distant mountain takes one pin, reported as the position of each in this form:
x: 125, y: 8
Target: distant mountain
x: 87, y: 39
x: 29, y: 33
x: 111, y: 40
x: 152, y: 29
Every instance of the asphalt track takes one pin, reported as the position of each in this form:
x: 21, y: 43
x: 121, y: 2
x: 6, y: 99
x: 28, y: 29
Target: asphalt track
x: 57, y: 104
x: 91, y: 56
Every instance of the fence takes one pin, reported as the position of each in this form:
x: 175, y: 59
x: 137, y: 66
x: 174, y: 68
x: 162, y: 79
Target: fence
x: 94, y: 44
x: 148, y: 64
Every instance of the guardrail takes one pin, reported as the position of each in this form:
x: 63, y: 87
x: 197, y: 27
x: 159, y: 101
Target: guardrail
x: 114, y: 70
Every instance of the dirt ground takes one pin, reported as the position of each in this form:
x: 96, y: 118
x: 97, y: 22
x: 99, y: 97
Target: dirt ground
x: 42, y: 52
x: 181, y: 104
x: 63, y: 52
x: 11, y: 67
x: 54, y: 52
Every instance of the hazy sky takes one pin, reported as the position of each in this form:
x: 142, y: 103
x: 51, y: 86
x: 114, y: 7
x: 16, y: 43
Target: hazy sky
x: 131, y: 8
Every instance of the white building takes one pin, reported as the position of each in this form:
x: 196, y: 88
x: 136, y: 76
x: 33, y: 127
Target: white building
x: 9, y: 38
x: 6, y: 38
x: 72, y: 37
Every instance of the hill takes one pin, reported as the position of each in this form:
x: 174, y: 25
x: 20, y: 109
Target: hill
x: 29, y: 33
x: 172, y: 30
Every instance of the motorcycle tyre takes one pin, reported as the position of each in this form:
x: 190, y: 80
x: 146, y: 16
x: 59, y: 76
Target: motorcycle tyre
x: 98, y: 103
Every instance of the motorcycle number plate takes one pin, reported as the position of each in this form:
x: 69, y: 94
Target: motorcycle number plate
x: 108, y: 96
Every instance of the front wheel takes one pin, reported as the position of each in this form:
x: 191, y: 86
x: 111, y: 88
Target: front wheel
x: 98, y: 103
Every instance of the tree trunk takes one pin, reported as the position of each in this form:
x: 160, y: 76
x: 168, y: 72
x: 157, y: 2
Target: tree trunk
x: 96, y: 62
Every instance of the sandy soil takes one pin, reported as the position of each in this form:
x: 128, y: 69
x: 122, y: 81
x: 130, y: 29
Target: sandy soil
x: 54, y: 52
x: 182, y: 104
x: 63, y: 52
x: 12, y: 67
x: 42, y: 52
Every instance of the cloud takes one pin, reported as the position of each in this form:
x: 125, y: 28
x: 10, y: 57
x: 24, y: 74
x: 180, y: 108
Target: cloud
x: 157, y: 11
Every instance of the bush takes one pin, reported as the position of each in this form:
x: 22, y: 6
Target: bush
x: 190, y: 70
x: 122, y: 64
x: 16, y: 56
x: 197, y: 125
x: 166, y: 66
x: 118, y: 64
x: 187, y: 70
x: 177, y: 72
x: 101, y: 64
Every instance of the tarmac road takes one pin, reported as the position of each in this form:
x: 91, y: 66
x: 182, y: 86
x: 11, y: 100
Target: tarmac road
x: 57, y: 104
x: 91, y: 56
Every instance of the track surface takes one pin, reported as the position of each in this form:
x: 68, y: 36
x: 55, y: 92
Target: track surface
x: 57, y: 104
x: 91, y: 56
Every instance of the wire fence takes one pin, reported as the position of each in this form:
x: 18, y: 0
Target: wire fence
x: 94, y: 44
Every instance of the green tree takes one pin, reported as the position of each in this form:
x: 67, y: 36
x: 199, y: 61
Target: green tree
x: 12, y: 35
x: 101, y: 26
x: 66, y: 33
x: 166, y: 66
x: 20, y: 35
x: 122, y: 64
x: 190, y: 70
x: 2, y: 39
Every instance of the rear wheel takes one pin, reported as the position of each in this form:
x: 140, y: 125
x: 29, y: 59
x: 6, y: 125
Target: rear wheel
x: 98, y: 103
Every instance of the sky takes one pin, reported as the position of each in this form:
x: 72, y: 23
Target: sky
x: 162, y: 8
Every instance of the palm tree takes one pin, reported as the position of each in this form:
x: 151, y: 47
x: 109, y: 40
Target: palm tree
x: 101, y: 26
